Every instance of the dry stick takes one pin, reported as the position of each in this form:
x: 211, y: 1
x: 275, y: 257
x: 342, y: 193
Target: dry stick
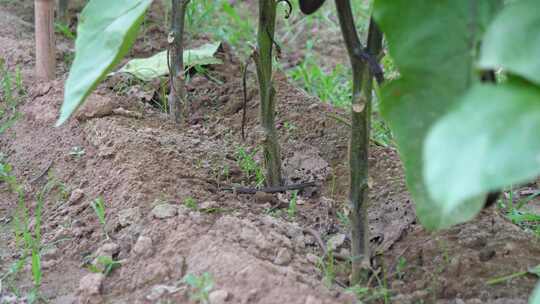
x: 263, y: 60
x: 360, y: 127
x: 244, y: 88
x: 178, y: 105
x: 45, y: 54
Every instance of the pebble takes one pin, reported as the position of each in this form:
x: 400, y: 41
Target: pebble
x: 164, y: 211
x: 283, y: 257
x: 486, y: 254
x: 209, y: 205
x: 336, y: 241
x: 219, y: 296
x: 129, y: 216
x: 312, y: 300
x: 91, y: 284
x: 108, y: 249
x: 75, y: 196
x: 158, y: 291
x: 143, y: 247
x: 312, y: 258
x: 263, y: 198
x: 49, y: 253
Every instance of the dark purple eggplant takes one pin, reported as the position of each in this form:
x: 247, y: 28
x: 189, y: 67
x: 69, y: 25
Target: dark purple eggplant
x: 310, y: 6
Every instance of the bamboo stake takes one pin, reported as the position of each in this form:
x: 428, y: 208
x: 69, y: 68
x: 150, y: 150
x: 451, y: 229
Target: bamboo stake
x: 45, y: 45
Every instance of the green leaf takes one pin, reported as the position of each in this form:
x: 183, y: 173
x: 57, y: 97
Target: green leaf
x: 105, y: 33
x: 433, y: 48
x: 535, y: 270
x: 513, y: 41
x: 36, y: 267
x: 535, y: 297
x: 149, y: 68
x: 473, y: 149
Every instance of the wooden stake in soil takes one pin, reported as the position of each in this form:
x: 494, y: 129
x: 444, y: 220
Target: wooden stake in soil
x: 360, y: 132
x: 263, y: 60
x: 45, y: 54
x: 178, y: 105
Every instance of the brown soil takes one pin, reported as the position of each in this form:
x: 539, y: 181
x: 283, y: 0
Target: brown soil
x: 123, y: 149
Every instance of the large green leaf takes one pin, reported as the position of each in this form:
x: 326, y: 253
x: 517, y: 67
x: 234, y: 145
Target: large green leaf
x: 535, y: 297
x: 432, y: 43
x: 149, y: 68
x: 106, y: 31
x: 513, y: 40
x: 489, y: 141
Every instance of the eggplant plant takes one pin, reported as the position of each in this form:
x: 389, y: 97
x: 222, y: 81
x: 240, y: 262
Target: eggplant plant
x: 263, y: 61
x: 364, y: 69
x: 178, y: 103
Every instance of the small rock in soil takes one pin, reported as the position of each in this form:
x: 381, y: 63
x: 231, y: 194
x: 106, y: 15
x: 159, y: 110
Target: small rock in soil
x: 75, y: 196
x: 219, y: 296
x: 283, y: 257
x: 312, y: 258
x: 164, y: 211
x: 336, y: 241
x: 49, y: 253
x: 263, y: 198
x: 233, y: 106
x: 129, y: 216
x: 158, y: 291
x: 143, y: 246
x: 313, y: 300
x: 397, y: 284
x: 345, y: 252
x: 95, y: 106
x: 208, y: 205
x: 91, y: 284
x: 108, y: 249
x: 486, y: 254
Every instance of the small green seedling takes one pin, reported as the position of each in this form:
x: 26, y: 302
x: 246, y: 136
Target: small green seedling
x: 64, y: 30
x: 368, y: 295
x: 248, y: 165
x: 191, y: 203
x: 400, y: 267
x: 201, y: 286
x: 24, y: 234
x: 99, y: 208
x: 327, y: 265
x: 104, y: 264
x: 291, y: 211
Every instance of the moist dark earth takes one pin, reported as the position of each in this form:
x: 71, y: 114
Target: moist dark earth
x: 121, y: 147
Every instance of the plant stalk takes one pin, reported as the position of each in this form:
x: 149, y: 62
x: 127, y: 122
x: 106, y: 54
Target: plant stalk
x: 360, y: 133
x: 263, y: 60
x: 178, y: 104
